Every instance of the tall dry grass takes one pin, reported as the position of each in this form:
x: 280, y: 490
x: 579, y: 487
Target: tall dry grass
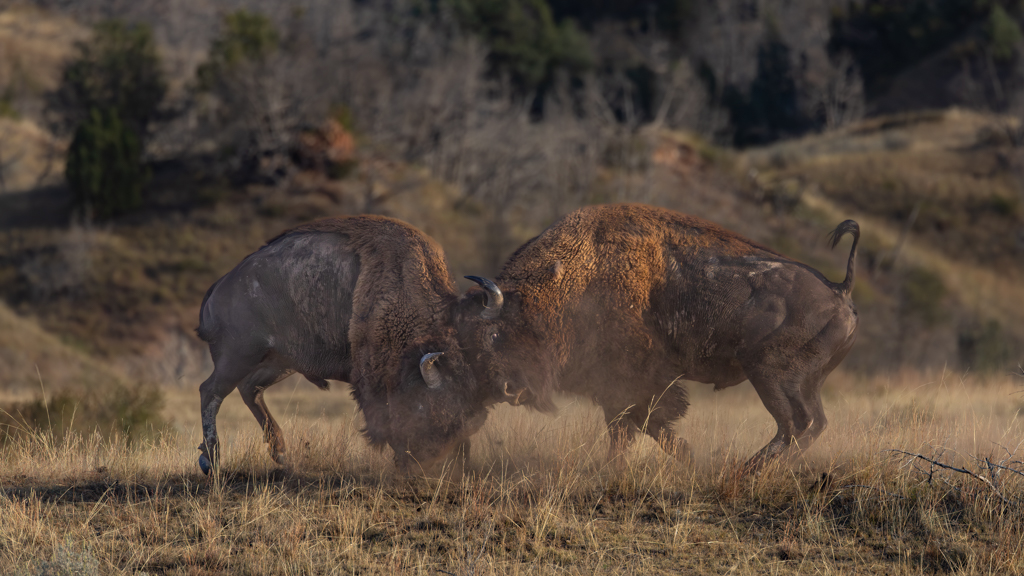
x: 538, y: 496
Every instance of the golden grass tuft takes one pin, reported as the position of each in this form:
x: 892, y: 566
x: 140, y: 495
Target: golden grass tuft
x: 538, y: 496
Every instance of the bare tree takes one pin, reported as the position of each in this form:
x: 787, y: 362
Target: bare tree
x: 840, y: 95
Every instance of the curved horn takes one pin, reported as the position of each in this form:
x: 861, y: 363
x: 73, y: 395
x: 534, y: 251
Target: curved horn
x: 494, y: 297
x: 429, y: 372
x: 511, y: 398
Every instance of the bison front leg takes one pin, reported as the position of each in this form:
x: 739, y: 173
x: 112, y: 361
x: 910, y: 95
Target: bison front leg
x: 461, y: 452
x: 621, y: 430
x: 661, y: 431
x: 664, y: 410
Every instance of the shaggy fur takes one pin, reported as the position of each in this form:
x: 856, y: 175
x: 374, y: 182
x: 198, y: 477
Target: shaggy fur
x: 619, y: 303
x: 358, y: 299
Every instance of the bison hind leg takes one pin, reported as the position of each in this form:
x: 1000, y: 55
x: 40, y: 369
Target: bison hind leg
x: 211, y: 395
x: 795, y: 404
x: 228, y: 371
x: 251, y: 390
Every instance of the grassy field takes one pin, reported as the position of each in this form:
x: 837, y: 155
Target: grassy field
x: 537, y: 495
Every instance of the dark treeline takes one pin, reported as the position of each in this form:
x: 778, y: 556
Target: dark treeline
x: 517, y: 103
x: 765, y: 69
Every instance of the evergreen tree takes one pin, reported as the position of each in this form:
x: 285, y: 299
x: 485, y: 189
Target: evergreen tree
x: 118, y: 69
x: 771, y: 109
x: 525, y: 40
x: 104, y: 166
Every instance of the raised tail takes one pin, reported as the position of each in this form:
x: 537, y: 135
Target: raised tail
x: 852, y: 228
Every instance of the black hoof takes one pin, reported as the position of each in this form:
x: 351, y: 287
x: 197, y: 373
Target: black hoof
x: 204, y: 464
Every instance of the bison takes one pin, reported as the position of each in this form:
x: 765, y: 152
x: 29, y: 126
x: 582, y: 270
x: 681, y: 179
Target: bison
x: 619, y: 302
x: 368, y: 300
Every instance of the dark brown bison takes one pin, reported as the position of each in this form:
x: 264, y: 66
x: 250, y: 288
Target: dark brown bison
x: 368, y: 300
x: 619, y: 302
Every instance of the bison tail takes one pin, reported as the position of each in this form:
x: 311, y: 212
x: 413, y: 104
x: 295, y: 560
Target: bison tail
x: 205, y: 329
x: 852, y: 228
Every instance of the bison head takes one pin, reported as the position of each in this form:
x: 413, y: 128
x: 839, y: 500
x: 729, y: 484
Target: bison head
x: 512, y: 362
x: 433, y: 409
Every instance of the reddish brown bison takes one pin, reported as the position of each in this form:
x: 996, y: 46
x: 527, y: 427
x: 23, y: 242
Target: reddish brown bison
x: 368, y: 300
x: 619, y: 302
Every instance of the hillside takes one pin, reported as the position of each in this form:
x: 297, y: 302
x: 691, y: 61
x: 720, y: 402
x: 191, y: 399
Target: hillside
x: 939, y: 198
x: 49, y: 385
x: 32, y: 359
x: 130, y: 292
x: 34, y: 45
x: 937, y: 195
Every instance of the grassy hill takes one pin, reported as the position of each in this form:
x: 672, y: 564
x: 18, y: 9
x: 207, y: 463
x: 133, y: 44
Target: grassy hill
x: 939, y: 197
x: 939, y: 290
x: 48, y: 384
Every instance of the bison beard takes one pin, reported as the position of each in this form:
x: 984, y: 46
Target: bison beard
x: 619, y: 303
x: 366, y: 299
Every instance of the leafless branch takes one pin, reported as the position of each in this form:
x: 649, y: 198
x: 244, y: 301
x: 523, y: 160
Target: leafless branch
x: 943, y: 465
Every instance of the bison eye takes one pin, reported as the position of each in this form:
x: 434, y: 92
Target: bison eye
x: 494, y: 337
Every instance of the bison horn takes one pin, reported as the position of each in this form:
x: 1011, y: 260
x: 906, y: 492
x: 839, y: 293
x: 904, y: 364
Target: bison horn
x: 511, y: 398
x: 494, y: 297
x: 431, y: 375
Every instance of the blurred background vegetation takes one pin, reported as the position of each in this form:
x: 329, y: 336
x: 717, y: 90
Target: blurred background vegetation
x: 146, y: 147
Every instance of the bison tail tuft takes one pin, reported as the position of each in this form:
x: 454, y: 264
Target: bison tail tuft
x: 847, y: 227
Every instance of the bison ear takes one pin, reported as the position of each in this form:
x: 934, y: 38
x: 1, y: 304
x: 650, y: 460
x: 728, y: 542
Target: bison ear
x: 428, y: 369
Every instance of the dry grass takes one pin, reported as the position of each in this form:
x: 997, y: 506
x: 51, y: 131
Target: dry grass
x: 538, y: 495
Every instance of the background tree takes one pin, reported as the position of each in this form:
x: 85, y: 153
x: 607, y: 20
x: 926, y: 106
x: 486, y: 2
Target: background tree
x: 263, y: 91
x: 771, y: 108
x: 110, y: 92
x: 119, y: 69
x: 104, y: 166
x: 525, y: 40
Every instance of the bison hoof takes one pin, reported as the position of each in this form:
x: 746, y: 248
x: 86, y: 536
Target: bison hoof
x: 204, y: 464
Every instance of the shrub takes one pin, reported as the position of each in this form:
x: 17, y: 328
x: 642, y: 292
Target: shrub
x: 105, y: 407
x: 260, y: 96
x: 245, y: 37
x: 524, y: 39
x: 886, y: 37
x: 118, y: 69
x: 68, y: 560
x: 922, y: 293
x: 984, y: 348
x: 1004, y: 33
x: 104, y: 166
